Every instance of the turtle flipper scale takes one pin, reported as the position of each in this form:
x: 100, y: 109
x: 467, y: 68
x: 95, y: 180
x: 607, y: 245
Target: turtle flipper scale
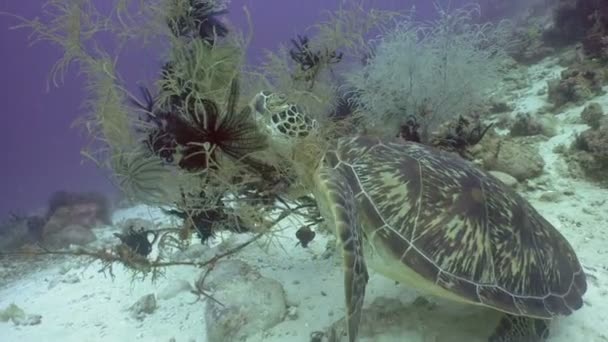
x: 341, y: 210
x: 520, y: 329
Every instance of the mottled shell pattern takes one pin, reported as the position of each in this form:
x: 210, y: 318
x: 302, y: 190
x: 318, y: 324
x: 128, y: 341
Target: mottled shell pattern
x: 460, y: 228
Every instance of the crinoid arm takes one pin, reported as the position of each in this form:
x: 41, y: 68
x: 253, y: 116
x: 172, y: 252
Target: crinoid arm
x: 338, y: 205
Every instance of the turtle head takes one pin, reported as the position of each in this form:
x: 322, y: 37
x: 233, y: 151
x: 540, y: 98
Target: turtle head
x: 284, y: 121
x: 292, y: 133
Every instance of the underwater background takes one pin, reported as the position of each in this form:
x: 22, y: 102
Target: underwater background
x: 50, y: 159
x: 125, y: 214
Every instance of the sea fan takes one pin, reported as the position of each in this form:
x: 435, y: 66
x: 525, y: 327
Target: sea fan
x: 433, y: 71
x: 307, y: 59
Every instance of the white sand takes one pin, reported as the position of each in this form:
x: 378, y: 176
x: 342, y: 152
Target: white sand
x: 83, y: 305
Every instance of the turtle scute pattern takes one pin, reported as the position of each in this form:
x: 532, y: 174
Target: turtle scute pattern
x: 461, y: 228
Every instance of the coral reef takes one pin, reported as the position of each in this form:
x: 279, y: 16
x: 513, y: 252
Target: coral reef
x: 85, y: 208
x: 549, y: 26
x: 588, y: 154
x: 68, y: 220
x: 527, y: 45
x: 499, y: 105
x: 592, y: 114
x: 193, y: 155
x: 525, y: 124
x: 576, y: 84
x: 516, y: 156
x: 70, y: 216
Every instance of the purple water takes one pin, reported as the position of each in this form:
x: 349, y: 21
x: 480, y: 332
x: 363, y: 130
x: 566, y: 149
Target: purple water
x: 41, y: 151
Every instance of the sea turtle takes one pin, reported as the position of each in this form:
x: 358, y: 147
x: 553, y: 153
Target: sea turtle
x: 434, y: 221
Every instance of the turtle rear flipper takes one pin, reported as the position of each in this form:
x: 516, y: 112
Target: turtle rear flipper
x: 341, y: 209
x: 520, y: 329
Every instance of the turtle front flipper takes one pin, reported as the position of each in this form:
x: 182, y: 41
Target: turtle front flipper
x: 338, y: 205
x: 520, y: 329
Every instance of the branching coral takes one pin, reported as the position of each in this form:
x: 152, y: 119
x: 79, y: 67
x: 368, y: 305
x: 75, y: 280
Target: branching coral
x: 576, y: 84
x: 305, y: 73
x: 188, y: 122
x: 588, y: 153
x: 348, y: 29
x: 198, y: 19
x: 156, y: 126
x: 311, y: 62
x: 206, y: 222
x: 198, y: 70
